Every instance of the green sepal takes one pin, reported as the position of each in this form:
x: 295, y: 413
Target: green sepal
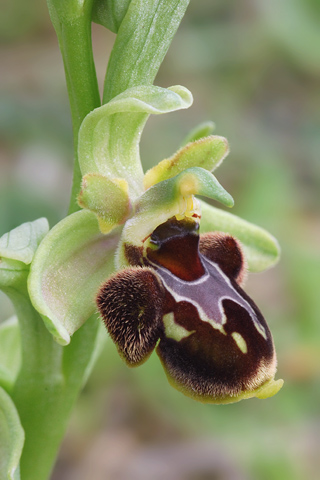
x: 110, y: 13
x: 207, y: 153
x: 172, y: 197
x: 68, y: 268
x: 107, y: 199
x: 11, y: 438
x: 10, y: 352
x: 22, y: 242
x: 261, y: 249
x: 109, y: 136
x: 202, y: 130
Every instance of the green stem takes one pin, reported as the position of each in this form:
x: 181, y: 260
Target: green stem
x: 76, y: 48
x: 47, y: 386
x: 74, y: 36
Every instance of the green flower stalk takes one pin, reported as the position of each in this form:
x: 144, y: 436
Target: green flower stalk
x: 164, y: 269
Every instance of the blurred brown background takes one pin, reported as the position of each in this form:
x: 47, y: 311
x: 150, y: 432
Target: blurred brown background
x: 253, y: 67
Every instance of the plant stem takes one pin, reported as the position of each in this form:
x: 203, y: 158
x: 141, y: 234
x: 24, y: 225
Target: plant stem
x: 76, y: 48
x: 47, y: 386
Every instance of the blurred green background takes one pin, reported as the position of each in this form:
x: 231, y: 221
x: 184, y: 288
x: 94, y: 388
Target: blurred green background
x: 253, y: 67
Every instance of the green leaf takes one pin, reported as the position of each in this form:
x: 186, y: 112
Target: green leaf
x: 260, y: 247
x: 109, y: 136
x: 172, y: 197
x: 10, y: 352
x: 141, y: 44
x: 207, y: 153
x: 110, y: 13
x: 11, y: 438
x: 202, y: 130
x: 68, y: 268
x: 22, y: 242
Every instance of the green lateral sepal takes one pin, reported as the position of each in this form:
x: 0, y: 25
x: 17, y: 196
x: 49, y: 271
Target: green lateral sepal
x: 261, y: 249
x: 68, y: 268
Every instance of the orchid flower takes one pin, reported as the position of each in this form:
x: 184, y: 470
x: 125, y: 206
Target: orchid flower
x: 134, y: 252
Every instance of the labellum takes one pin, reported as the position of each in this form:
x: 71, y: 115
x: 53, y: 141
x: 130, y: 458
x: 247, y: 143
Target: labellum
x: 182, y: 294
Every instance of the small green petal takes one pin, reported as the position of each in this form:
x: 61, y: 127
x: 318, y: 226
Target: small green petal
x: 11, y: 438
x: 198, y: 181
x: 207, y: 153
x: 200, y: 131
x: 107, y: 199
x: 10, y: 352
x: 109, y: 136
x: 261, y: 249
x: 22, y: 242
x: 68, y: 268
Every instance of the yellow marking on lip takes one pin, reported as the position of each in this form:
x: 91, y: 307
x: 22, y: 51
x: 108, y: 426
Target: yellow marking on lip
x: 173, y: 330
x: 240, y: 341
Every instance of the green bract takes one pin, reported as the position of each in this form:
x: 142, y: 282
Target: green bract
x: 143, y: 39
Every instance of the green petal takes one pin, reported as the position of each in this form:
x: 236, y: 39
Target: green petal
x: 22, y: 242
x: 207, y: 153
x: 202, y: 130
x: 261, y: 248
x: 10, y: 352
x: 107, y: 199
x: 173, y: 197
x: 109, y: 136
x: 11, y: 438
x: 68, y: 268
